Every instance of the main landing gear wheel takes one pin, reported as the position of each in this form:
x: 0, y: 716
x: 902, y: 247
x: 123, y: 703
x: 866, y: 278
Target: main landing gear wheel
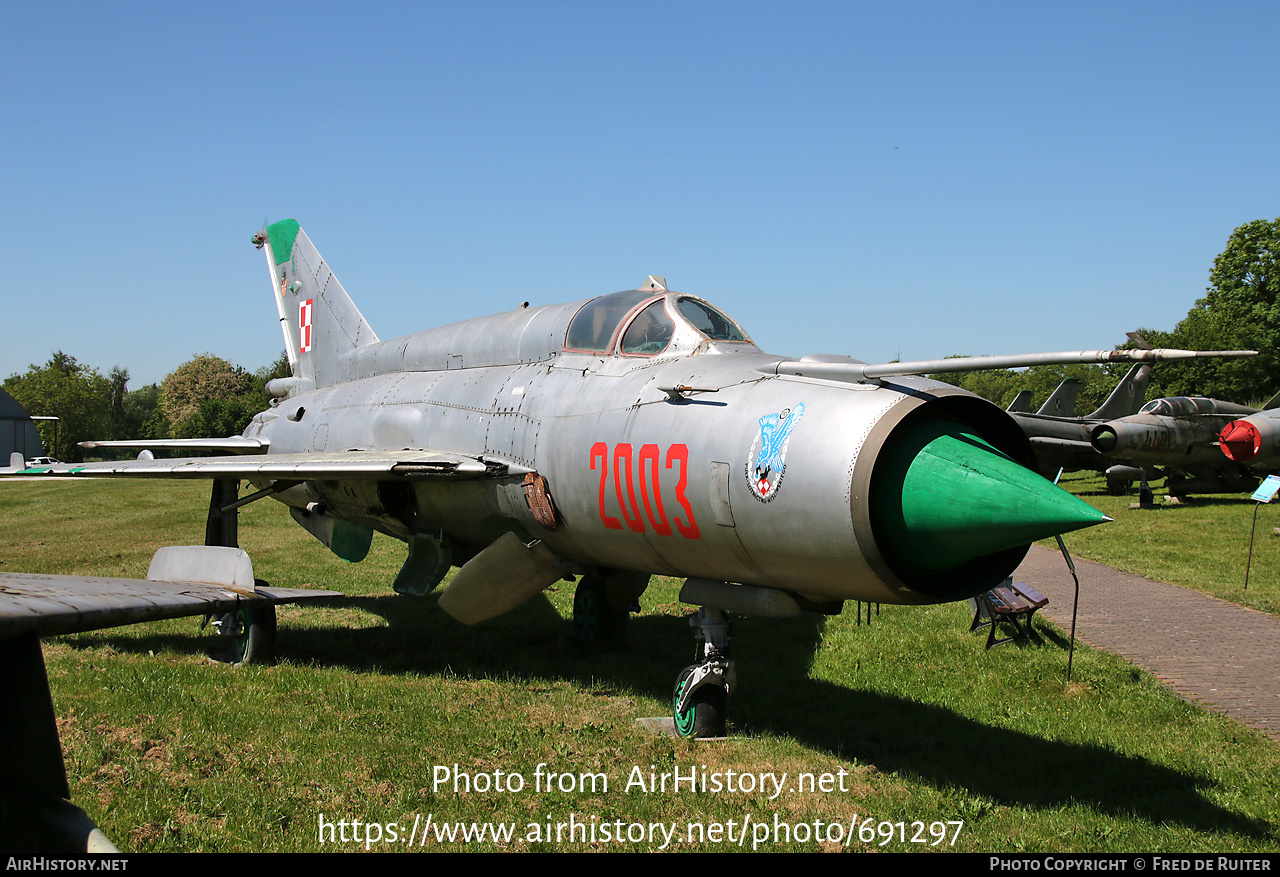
x: 254, y: 629
x: 596, y: 623
x: 704, y: 714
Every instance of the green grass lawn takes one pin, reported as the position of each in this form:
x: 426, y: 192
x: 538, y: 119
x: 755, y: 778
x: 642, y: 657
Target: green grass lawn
x: 1202, y: 544
x: 377, y: 694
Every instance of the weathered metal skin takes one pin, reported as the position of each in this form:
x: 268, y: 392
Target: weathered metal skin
x: 1180, y: 432
x: 1182, y: 437
x: 1158, y: 440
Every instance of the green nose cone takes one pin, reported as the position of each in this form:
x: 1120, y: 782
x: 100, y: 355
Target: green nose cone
x: 946, y: 496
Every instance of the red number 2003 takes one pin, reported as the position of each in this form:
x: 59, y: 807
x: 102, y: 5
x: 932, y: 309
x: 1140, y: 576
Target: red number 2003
x: 646, y: 473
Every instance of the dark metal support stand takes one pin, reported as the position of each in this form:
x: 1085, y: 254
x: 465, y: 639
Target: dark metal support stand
x: 1249, y: 560
x: 1075, y: 603
x: 1146, y: 496
x: 29, y: 736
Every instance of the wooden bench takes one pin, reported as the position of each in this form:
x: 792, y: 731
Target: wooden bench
x: 1012, y: 604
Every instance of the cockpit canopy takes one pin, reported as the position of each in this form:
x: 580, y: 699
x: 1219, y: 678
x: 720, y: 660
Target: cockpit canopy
x: 593, y: 326
x: 1180, y: 406
x: 642, y: 323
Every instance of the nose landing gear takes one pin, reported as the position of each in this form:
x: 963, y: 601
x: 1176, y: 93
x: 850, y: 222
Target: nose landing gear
x: 702, y: 689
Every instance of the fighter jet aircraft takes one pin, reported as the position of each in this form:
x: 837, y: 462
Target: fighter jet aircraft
x: 637, y: 433
x: 1179, y: 437
x: 1021, y: 403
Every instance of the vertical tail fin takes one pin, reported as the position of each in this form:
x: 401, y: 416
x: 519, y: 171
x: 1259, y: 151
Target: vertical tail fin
x: 319, y: 320
x: 1062, y: 401
x: 1021, y: 403
x: 1127, y: 397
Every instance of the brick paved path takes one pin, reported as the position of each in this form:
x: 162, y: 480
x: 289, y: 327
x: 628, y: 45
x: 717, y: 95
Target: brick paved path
x: 1215, y: 653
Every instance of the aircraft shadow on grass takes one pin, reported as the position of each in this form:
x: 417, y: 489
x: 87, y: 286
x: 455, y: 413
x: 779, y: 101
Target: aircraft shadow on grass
x: 935, y: 745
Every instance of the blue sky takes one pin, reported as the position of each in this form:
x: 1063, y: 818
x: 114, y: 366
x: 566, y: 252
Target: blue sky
x: 878, y: 179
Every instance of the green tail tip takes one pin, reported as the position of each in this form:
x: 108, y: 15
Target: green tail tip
x: 947, y: 496
x: 282, y: 235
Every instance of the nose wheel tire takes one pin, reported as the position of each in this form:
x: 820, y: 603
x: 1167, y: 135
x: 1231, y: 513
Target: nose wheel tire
x: 704, y: 714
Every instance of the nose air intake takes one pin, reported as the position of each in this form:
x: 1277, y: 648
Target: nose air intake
x: 955, y: 513
x: 1104, y: 439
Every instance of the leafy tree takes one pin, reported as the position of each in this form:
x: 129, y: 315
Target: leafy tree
x: 998, y: 385
x: 219, y: 417
x: 76, y: 394
x: 119, y: 388
x: 1241, y: 310
x: 209, y: 396
x: 143, y: 415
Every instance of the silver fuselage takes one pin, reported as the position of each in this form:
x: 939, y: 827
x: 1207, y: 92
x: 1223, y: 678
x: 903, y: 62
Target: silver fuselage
x: 642, y: 479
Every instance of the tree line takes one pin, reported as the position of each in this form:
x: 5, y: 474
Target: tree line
x: 205, y: 396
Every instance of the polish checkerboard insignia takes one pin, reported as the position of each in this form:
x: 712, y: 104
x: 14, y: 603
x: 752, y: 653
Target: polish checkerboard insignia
x: 304, y: 326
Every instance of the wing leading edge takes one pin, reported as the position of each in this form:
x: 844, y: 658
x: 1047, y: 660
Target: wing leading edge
x: 48, y: 605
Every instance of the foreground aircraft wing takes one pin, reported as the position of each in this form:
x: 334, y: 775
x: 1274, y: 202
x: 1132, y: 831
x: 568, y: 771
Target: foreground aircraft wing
x: 49, y: 605
x: 376, y: 465
x: 182, y: 580
x: 850, y: 370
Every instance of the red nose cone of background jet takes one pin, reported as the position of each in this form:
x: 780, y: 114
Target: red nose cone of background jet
x: 1240, y: 440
